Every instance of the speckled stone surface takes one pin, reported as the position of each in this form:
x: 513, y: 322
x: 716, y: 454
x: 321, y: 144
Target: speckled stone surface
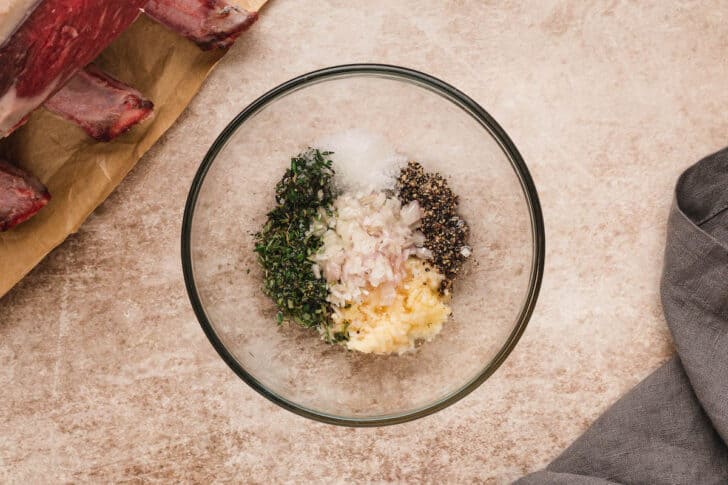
x: 106, y: 375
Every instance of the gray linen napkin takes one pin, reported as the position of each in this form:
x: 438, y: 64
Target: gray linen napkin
x: 673, y: 427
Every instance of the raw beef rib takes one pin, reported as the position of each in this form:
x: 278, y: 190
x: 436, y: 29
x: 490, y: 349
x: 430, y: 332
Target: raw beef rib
x: 49, y: 45
x: 103, y: 106
x: 44, y: 44
x: 208, y: 23
x: 21, y: 195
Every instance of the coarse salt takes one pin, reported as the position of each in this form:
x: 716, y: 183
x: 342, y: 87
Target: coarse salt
x: 363, y: 161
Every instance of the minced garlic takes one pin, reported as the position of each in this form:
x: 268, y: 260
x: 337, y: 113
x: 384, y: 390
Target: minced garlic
x: 416, y: 312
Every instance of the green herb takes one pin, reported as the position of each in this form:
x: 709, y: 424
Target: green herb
x: 343, y: 334
x: 336, y: 336
x: 285, y: 243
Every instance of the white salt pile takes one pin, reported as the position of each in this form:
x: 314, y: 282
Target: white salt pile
x: 363, y: 161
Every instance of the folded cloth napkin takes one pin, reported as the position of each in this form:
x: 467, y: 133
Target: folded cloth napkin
x: 673, y: 427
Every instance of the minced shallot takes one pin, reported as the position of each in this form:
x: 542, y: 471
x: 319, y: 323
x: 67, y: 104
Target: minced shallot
x: 367, y: 237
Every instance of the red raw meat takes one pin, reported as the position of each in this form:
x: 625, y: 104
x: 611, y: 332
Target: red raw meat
x: 55, y: 41
x: 21, y: 196
x: 208, y: 23
x: 103, y: 106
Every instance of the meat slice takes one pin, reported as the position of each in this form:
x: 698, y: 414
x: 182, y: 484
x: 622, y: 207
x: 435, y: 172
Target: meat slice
x: 49, y: 45
x: 103, y: 106
x: 208, y: 23
x: 21, y: 196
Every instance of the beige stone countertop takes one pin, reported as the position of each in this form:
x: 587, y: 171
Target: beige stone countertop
x: 105, y: 372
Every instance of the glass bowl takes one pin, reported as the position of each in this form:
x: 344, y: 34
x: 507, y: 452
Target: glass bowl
x: 429, y: 121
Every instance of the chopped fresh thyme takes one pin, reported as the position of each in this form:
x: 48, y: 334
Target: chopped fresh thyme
x: 285, y: 244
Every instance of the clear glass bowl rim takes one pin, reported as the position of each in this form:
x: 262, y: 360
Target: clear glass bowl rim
x: 476, y: 112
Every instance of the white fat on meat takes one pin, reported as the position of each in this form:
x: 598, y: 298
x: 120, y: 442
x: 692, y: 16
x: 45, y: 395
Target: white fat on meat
x: 12, y: 15
x: 13, y: 109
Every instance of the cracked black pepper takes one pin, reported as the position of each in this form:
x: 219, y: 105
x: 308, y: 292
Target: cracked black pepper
x: 446, y: 233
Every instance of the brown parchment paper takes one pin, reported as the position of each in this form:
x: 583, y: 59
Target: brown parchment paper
x: 79, y: 172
